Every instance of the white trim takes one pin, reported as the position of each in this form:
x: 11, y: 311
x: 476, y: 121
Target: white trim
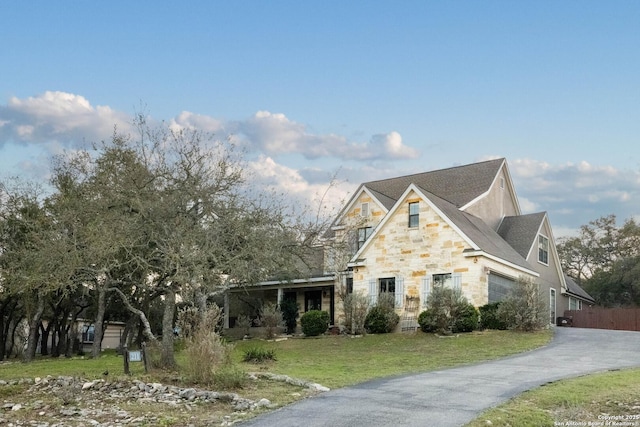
x: 374, y: 288
x: 425, y: 290
x: 310, y: 280
x: 399, y: 293
x: 539, y: 247
x: 481, y: 253
x: 362, y: 210
x: 553, y: 250
x: 352, y: 202
x: 445, y: 218
x: 555, y: 305
x: 400, y: 202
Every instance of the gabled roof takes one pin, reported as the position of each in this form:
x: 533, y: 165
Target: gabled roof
x: 475, y: 229
x: 574, y: 289
x: 521, y: 231
x: 458, y: 185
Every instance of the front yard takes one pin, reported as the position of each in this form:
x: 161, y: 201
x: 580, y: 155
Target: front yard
x: 331, y: 361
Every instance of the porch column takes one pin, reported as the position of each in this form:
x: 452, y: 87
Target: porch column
x: 226, y: 310
x: 280, y: 295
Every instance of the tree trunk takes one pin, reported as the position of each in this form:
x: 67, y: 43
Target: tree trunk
x: 34, y: 325
x: 127, y: 332
x: 5, y: 323
x: 167, y: 359
x: 44, y: 338
x: 3, y: 336
x: 201, y: 302
x: 61, y: 333
x: 12, y: 337
x: 98, y: 322
x: 143, y: 318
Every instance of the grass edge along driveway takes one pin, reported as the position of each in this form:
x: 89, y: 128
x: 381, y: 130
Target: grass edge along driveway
x: 339, y: 361
x: 334, y: 361
x: 605, y: 398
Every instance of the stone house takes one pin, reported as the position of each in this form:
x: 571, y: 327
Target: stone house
x: 460, y: 227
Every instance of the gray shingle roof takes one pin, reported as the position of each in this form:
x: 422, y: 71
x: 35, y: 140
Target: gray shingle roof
x: 520, y: 231
x: 458, y: 185
x: 479, y: 232
x: 574, y: 289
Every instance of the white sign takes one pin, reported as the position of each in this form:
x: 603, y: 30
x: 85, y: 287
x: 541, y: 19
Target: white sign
x: 135, y: 356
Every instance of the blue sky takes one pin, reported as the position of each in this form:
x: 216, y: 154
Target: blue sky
x: 370, y: 89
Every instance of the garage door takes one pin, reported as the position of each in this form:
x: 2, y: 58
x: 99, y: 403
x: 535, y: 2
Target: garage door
x: 499, y: 287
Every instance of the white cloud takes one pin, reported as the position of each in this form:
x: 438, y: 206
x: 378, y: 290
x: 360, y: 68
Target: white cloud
x: 527, y: 206
x: 274, y: 133
x: 189, y: 120
x: 60, y: 117
x: 72, y: 121
x: 301, y: 194
x: 576, y: 193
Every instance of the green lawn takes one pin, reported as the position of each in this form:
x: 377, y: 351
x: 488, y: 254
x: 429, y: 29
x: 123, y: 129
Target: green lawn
x: 337, y: 361
x: 590, y: 400
x: 333, y: 361
x: 78, y: 366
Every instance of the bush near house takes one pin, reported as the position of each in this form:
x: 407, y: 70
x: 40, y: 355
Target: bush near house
x: 467, y: 320
x: 271, y: 319
x: 427, y: 321
x: 289, y: 309
x: 489, y: 318
x: 356, y: 307
x: 382, y: 318
x: 525, y: 308
x: 314, y: 323
x: 448, y: 311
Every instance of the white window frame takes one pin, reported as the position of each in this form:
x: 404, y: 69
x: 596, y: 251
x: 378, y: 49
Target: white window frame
x: 576, y: 303
x: 415, y: 215
x: 553, y: 310
x: 364, y: 210
x: 542, y: 242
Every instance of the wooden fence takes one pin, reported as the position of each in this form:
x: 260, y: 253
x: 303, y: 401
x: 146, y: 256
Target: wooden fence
x: 627, y: 319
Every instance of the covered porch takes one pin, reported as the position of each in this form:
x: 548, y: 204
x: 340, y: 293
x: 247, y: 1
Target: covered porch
x: 315, y: 293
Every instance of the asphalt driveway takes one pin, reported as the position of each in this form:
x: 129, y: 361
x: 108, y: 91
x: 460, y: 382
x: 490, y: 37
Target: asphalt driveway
x: 453, y: 397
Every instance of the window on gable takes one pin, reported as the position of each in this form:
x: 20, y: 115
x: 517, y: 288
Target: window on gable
x: 543, y: 249
x: 364, y: 210
x: 414, y: 214
x: 363, y: 235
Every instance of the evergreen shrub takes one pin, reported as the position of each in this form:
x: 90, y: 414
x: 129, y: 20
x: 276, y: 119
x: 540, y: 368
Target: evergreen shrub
x: 314, y: 322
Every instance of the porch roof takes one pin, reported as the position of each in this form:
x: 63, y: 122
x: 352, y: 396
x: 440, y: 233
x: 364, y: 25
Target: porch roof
x: 324, y: 280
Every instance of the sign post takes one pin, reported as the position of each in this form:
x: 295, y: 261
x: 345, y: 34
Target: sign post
x: 135, y: 356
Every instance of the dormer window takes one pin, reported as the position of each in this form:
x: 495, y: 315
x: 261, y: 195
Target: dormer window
x: 414, y: 214
x: 543, y: 249
x: 364, y: 210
